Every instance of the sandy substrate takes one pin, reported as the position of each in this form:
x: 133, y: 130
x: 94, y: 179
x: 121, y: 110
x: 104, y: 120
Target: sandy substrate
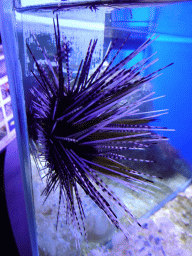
x: 179, y: 213
x: 169, y: 226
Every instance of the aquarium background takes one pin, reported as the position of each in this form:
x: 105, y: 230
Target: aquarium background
x: 172, y: 23
x: 175, y: 45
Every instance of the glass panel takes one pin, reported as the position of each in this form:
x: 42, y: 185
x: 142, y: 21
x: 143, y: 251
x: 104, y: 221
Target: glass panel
x: 24, y: 5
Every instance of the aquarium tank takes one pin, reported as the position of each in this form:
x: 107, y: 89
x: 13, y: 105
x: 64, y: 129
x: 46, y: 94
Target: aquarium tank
x: 101, y: 94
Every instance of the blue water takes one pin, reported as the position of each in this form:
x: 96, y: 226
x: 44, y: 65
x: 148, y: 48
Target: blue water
x: 173, y: 24
x: 175, y: 83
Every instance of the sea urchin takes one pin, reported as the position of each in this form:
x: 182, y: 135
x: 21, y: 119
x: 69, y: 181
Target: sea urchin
x: 78, y: 127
